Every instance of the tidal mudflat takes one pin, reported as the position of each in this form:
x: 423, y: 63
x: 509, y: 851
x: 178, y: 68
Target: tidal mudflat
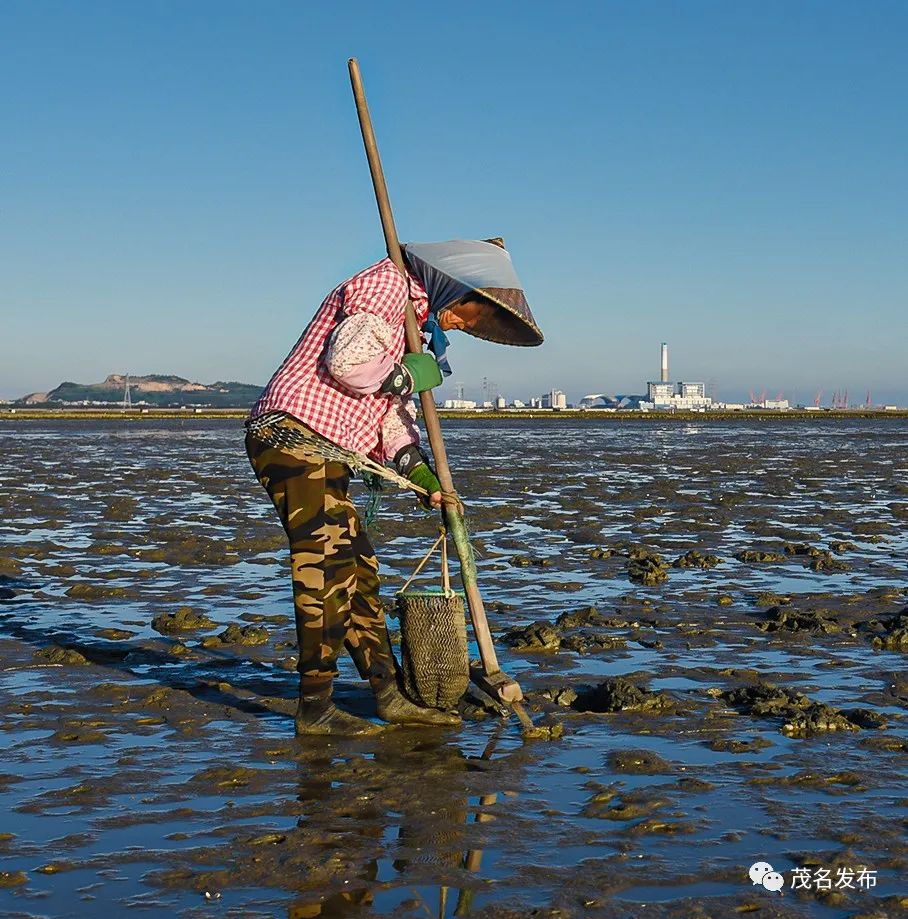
x: 716, y: 614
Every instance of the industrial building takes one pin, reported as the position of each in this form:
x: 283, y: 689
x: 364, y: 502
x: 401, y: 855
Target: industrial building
x: 554, y: 399
x: 663, y: 395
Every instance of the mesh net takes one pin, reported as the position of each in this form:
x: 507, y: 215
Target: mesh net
x: 280, y: 430
x: 433, y: 647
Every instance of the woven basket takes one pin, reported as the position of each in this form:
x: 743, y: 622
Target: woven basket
x: 433, y: 647
x: 433, y: 638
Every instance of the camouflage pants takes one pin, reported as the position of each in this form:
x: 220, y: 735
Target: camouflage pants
x: 334, y: 568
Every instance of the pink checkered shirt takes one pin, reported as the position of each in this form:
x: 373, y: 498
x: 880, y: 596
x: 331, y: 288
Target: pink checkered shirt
x: 302, y: 386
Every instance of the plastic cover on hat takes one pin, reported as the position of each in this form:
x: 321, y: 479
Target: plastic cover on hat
x: 452, y: 270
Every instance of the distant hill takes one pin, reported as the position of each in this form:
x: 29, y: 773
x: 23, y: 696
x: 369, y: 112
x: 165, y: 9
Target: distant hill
x: 155, y: 389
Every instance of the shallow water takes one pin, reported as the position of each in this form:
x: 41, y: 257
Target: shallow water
x: 160, y: 776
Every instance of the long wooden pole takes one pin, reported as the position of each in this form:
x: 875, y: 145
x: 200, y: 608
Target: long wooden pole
x: 492, y: 679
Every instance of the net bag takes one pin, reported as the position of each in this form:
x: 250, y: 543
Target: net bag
x: 433, y: 640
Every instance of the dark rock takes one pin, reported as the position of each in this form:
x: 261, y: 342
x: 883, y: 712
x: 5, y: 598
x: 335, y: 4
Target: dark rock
x: 693, y: 786
x: 122, y: 508
x: 526, y: 561
x: 873, y: 527
x: 238, y: 635
x: 768, y: 598
x: 621, y: 695
x: 276, y: 619
x: 735, y: 745
x: 606, y: 803
x: 115, y: 634
x: 13, y: 879
x: 649, y: 568
x: 185, y: 619
x: 53, y: 654
x: 638, y: 762
x: 589, y: 615
x: 540, y: 636
x: 866, y: 718
x: 560, y: 695
x: 695, y: 559
x: 827, y: 562
x: 756, y: 555
x: 799, y: 548
x: 835, y: 782
x: 793, y: 620
x: 585, y: 642
x: 766, y: 700
x: 801, y: 716
x: 817, y: 718
x: 890, y: 633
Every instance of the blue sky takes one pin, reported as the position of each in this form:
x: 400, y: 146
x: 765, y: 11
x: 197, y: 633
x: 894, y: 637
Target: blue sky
x: 182, y: 183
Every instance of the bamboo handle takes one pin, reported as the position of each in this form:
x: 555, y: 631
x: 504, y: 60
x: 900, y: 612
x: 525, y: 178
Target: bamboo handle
x: 451, y: 514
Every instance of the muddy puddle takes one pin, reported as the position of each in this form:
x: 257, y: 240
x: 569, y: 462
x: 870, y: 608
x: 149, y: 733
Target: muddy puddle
x: 716, y: 615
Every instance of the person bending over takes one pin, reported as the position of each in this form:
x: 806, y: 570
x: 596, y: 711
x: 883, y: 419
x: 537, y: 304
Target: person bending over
x: 348, y: 381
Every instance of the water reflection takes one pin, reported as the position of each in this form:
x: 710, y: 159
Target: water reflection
x: 414, y: 797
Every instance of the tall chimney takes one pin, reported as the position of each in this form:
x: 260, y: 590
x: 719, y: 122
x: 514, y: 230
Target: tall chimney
x: 664, y: 362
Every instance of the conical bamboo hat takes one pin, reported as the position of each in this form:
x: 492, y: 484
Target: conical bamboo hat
x: 476, y: 269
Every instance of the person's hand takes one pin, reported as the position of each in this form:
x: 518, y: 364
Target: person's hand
x: 415, y: 373
x: 414, y: 464
x: 456, y: 505
x: 425, y: 478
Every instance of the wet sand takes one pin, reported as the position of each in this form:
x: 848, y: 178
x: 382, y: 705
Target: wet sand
x: 715, y: 615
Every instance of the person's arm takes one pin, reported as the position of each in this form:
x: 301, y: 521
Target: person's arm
x: 400, y: 445
x: 360, y: 354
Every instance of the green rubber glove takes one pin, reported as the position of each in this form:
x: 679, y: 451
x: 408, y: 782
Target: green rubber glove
x: 424, y: 370
x: 423, y: 476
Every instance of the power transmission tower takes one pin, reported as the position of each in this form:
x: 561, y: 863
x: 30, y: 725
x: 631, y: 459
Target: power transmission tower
x: 127, y: 395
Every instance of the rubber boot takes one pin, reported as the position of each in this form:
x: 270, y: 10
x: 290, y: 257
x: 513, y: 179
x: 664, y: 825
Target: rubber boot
x: 395, y: 708
x: 319, y: 715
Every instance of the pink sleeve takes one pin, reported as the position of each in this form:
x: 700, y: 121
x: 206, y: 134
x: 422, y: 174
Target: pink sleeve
x: 399, y: 429
x: 358, y: 353
x: 367, y: 378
